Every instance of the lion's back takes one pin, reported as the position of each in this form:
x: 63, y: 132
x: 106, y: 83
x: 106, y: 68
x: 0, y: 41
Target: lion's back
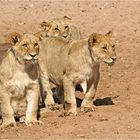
x: 55, y: 52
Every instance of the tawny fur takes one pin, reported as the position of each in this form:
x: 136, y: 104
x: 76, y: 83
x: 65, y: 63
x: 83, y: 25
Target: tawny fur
x: 76, y: 62
x: 19, y: 86
x: 64, y: 29
x: 61, y: 27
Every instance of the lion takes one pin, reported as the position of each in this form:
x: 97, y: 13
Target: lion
x: 61, y: 27
x: 19, y: 84
x: 77, y: 62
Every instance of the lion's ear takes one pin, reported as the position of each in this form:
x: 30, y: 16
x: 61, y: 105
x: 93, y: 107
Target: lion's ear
x: 67, y: 19
x: 14, y: 38
x: 45, y: 25
x: 40, y: 35
x: 93, y: 39
x: 109, y: 34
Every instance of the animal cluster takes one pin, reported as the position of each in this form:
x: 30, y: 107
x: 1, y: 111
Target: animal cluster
x: 56, y: 54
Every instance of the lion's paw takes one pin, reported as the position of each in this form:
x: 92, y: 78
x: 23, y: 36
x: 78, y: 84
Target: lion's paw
x: 54, y: 107
x: 8, y: 124
x: 87, y: 109
x: 34, y: 122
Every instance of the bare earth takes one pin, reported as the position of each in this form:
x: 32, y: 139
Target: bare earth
x: 117, y: 102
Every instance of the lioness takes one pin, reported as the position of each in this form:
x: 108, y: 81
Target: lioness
x: 77, y: 62
x: 19, y: 86
x: 61, y: 27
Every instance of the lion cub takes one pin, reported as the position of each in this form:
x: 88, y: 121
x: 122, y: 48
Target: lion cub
x: 77, y: 62
x: 19, y: 86
x: 61, y: 27
x: 64, y: 29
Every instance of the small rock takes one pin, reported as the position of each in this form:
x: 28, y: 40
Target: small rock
x: 83, y: 10
x: 81, y: 135
x: 21, y: 23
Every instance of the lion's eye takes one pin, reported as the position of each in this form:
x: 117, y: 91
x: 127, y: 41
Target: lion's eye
x: 36, y: 44
x: 25, y: 45
x: 66, y: 27
x: 56, y: 29
x: 113, y: 46
x: 105, y: 47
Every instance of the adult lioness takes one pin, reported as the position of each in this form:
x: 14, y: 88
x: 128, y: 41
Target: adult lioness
x: 19, y: 87
x: 77, y: 62
x: 61, y: 27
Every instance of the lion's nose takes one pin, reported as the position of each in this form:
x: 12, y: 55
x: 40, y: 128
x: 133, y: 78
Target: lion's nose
x: 65, y: 36
x: 32, y: 54
x: 114, y: 58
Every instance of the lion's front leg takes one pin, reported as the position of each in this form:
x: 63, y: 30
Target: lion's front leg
x: 32, y: 104
x: 87, y: 103
x: 49, y: 100
x: 69, y: 97
x: 6, y: 109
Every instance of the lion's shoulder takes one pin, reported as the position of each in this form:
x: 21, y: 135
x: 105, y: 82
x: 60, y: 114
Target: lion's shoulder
x: 77, y: 45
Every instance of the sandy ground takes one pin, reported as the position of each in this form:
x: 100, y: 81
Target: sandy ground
x: 119, y: 86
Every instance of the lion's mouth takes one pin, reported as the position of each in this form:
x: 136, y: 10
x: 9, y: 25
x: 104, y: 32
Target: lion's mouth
x: 31, y: 61
x: 66, y: 37
x: 31, y: 58
x: 110, y: 63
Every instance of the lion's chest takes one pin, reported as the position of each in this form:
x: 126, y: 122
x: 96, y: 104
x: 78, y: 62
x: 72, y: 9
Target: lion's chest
x: 18, y: 83
x: 17, y: 87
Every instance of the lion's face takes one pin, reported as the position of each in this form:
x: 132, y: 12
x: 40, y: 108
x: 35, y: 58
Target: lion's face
x: 58, y: 28
x: 26, y: 47
x: 103, y: 48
